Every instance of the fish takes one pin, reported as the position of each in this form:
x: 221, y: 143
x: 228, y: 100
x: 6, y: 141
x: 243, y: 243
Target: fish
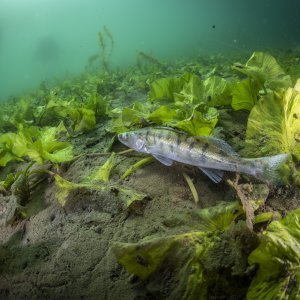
x: 211, y: 155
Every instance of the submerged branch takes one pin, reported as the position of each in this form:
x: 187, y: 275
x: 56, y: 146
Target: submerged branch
x: 248, y: 209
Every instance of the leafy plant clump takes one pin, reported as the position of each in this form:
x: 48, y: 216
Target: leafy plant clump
x: 38, y: 144
x: 278, y: 257
x: 185, y: 103
x: 195, y: 259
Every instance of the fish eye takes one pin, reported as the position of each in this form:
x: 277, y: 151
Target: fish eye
x: 124, y: 136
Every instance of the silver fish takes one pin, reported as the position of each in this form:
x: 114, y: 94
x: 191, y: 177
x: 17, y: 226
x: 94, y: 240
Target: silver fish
x: 211, y: 155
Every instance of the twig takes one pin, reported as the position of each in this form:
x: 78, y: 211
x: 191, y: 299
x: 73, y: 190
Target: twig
x: 100, y: 154
x: 247, y: 207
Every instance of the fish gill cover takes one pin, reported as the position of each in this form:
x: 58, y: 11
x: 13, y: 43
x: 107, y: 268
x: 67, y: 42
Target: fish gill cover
x: 226, y: 249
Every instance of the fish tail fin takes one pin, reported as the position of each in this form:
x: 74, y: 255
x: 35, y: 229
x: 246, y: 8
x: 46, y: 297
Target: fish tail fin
x: 268, y: 168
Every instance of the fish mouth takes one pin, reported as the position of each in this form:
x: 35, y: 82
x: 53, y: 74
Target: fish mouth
x: 122, y: 136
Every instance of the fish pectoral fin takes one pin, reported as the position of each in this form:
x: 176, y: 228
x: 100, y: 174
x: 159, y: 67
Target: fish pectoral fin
x: 164, y: 160
x: 214, y: 174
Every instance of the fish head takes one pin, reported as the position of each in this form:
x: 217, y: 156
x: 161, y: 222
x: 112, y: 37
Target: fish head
x: 134, y: 140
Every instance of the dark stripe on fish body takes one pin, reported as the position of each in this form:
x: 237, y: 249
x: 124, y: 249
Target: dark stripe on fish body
x: 203, y: 154
x: 147, y: 135
x: 171, y: 146
x: 178, y: 141
x: 192, y: 145
x: 169, y: 136
x: 154, y: 138
x: 159, y: 135
x: 204, y: 149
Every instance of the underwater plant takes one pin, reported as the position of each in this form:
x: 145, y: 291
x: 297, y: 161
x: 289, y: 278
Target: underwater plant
x: 264, y: 73
x: 278, y: 257
x: 228, y: 250
x: 38, y: 144
x: 20, y: 185
x: 106, y: 42
x: 176, y: 102
x: 195, y: 259
x: 146, y: 61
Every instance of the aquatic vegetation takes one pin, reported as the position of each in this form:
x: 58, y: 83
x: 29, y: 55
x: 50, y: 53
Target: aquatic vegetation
x: 146, y: 61
x: 245, y: 94
x: 20, y: 186
x: 196, y: 259
x: 264, y: 73
x: 191, y: 186
x: 174, y: 102
x: 252, y: 197
x: 187, y: 255
x: 39, y: 144
x: 106, y: 42
x: 102, y: 174
x: 278, y: 257
x: 211, y: 251
x: 141, y: 163
x: 77, y: 117
x: 263, y: 68
x: 126, y: 197
x: 274, y: 125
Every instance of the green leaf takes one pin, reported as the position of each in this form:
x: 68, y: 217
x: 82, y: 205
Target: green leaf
x: 274, y: 125
x: 183, y: 251
x: 60, y: 152
x: 192, y: 90
x: 165, y: 115
x: 103, y: 173
x: 199, y: 123
x: 217, y: 91
x: 46, y: 146
x: 278, y: 257
x: 83, y: 119
x: 264, y: 68
x: 63, y: 189
x: 6, y: 157
x: 245, y: 94
x: 135, y: 115
x: 39, y: 144
x: 128, y: 198
x: 97, y: 104
x: 219, y: 217
x: 16, y: 143
x: 184, y: 254
x: 165, y: 88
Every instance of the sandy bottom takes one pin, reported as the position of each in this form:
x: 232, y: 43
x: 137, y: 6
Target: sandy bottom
x: 65, y: 253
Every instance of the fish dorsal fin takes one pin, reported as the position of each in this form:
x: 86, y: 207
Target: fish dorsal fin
x: 217, y: 143
x: 214, y: 174
x: 164, y: 160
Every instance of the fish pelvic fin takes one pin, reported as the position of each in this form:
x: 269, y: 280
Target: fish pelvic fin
x: 267, y: 168
x: 214, y: 174
x: 164, y: 160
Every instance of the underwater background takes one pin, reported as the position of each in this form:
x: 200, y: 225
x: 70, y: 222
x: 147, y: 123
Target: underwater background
x: 42, y: 40
x: 149, y: 149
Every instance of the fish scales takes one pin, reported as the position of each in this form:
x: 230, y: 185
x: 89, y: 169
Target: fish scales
x: 209, y: 154
x: 183, y: 148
